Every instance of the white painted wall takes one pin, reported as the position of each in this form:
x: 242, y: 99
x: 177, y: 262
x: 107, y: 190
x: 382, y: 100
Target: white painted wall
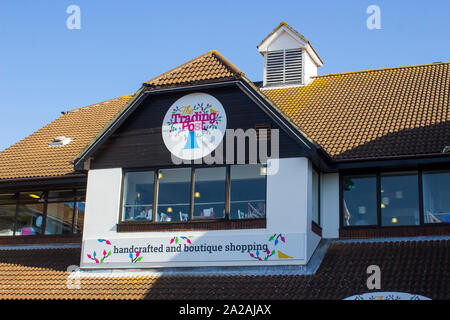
x: 329, y: 204
x: 309, y: 68
x: 284, y: 41
x: 289, y: 211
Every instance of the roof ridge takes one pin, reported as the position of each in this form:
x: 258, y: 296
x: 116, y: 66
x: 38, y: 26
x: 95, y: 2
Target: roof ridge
x: 381, y: 69
x: 214, y: 53
x: 179, y: 67
x: 227, y: 62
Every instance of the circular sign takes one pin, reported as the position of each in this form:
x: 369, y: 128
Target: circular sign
x: 194, y: 126
x: 387, y: 296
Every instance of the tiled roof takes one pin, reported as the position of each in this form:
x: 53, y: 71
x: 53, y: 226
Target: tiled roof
x: 211, y: 66
x: 32, y: 157
x: 390, y: 112
x: 419, y: 267
x: 370, y: 114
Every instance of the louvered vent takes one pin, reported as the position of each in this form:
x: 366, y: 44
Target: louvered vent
x: 284, y: 66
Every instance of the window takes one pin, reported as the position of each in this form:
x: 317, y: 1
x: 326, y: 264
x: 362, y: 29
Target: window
x: 30, y: 213
x: 399, y: 199
x: 174, y: 194
x: 436, y: 196
x: 78, y: 221
x: 359, y: 200
x: 248, y: 191
x: 315, y: 197
x: 38, y: 212
x: 60, y: 209
x: 7, y: 214
x: 209, y: 193
x: 409, y: 198
x: 138, y: 197
x: 185, y: 194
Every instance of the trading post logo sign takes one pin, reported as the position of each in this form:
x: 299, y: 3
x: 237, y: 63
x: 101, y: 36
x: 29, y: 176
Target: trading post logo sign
x: 194, y: 126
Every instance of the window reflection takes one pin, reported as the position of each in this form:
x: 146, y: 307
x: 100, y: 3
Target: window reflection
x: 248, y: 191
x: 209, y: 193
x: 174, y: 194
x: 399, y: 200
x: 436, y: 197
x: 138, y: 201
x: 59, y: 218
x: 360, y: 200
x: 7, y: 214
x: 29, y: 219
x: 79, y: 217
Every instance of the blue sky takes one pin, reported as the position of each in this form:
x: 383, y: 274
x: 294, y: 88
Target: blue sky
x: 45, y: 68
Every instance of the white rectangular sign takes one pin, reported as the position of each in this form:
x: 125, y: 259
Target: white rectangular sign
x: 185, y: 248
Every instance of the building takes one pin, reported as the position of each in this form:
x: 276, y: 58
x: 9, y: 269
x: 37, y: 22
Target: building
x: 261, y: 187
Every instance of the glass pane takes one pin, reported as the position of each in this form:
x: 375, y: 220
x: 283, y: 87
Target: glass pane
x: 29, y: 220
x: 7, y: 219
x: 436, y: 197
x: 138, y: 197
x: 359, y: 201
x: 79, y: 218
x: 209, y: 193
x: 174, y: 194
x: 59, y: 218
x: 315, y: 196
x: 80, y: 195
x: 399, y: 200
x: 248, y: 191
x: 61, y: 195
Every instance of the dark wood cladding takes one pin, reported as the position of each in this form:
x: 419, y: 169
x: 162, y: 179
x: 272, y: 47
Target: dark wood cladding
x: 41, y: 239
x: 316, y: 229
x: 193, y: 225
x: 138, y: 142
x: 405, y: 231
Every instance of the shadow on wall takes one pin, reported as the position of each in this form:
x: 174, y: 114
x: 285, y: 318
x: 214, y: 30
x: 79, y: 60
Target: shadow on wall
x: 421, y: 140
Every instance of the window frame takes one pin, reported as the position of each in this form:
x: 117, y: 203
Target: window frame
x: 378, y: 172
x: 191, y: 220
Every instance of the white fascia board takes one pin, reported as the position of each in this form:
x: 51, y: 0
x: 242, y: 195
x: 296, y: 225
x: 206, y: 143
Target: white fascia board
x: 266, y: 44
x: 313, y: 55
